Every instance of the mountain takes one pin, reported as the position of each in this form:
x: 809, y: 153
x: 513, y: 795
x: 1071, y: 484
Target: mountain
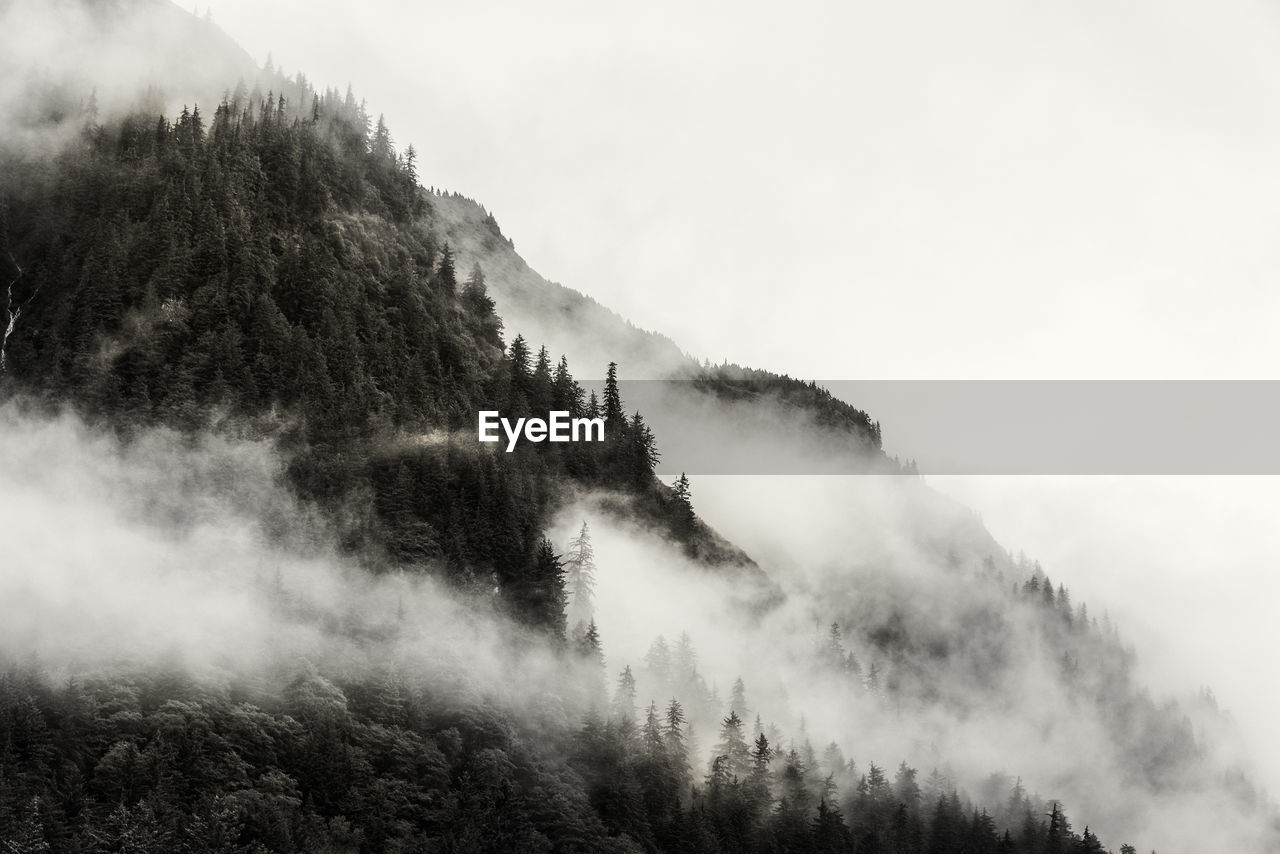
x: 265, y: 590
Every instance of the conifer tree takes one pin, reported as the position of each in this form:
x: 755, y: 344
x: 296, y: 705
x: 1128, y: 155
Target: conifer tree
x: 643, y: 451
x: 446, y: 275
x: 591, y: 651
x: 624, y: 697
x: 830, y: 834
x: 518, y: 353
x: 732, y: 746
x: 674, y: 734
x: 541, y: 393
x: 658, y: 662
x: 614, y: 418
x: 566, y: 393
x: 538, y: 594
x: 684, y: 504
x: 475, y: 293
x: 580, y: 578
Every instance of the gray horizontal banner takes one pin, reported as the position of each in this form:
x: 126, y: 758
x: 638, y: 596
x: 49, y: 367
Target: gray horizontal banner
x: 962, y: 427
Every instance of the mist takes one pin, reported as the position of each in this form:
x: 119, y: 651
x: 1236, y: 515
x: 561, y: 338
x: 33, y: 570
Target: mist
x: 68, y: 63
x: 161, y: 551
x: 1183, y: 562
x: 188, y: 552
x: 857, y: 550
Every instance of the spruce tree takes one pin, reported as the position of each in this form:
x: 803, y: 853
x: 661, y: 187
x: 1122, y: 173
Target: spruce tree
x: 732, y: 746
x: 580, y: 578
x: 614, y: 418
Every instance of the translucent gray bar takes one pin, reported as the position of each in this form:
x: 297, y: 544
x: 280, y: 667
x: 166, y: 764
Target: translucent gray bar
x: 967, y: 427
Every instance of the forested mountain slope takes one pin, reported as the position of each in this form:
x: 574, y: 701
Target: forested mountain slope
x: 244, y: 353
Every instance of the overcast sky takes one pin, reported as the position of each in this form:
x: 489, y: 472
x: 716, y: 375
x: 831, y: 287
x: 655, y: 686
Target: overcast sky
x: 994, y: 189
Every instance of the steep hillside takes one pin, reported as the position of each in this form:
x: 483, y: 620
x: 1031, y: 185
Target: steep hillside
x: 567, y: 320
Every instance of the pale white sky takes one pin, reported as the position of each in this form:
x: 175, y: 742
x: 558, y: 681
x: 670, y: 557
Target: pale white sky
x: 849, y: 190
x: 841, y: 190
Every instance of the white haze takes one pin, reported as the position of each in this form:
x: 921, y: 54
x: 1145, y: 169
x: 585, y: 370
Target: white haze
x: 168, y: 550
x: 57, y: 56
x: 1186, y: 564
x: 856, y: 549
x: 190, y: 553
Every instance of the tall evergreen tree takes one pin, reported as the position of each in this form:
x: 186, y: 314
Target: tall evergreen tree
x: 657, y: 661
x: 830, y: 834
x: 580, y: 578
x: 624, y: 697
x: 615, y: 419
x: 446, y: 275
x: 732, y: 746
x: 538, y: 593
x: 591, y: 651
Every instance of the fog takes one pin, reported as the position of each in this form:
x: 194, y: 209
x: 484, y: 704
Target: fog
x: 857, y: 543
x: 164, y: 550
x: 865, y: 551
x: 190, y: 553
x: 64, y: 57
x: 1186, y: 564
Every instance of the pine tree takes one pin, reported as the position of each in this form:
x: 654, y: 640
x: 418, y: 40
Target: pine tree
x: 518, y: 354
x: 615, y: 420
x: 873, y: 678
x: 674, y: 735
x: 446, y: 275
x: 566, y: 393
x: 411, y: 164
x: 733, y: 747
x: 651, y: 740
x: 834, y: 650
x: 475, y: 293
x: 681, y: 488
x: 538, y: 594
x: 643, y: 451
x: 684, y: 504
x: 658, y: 662
x: 580, y: 578
x: 624, y: 697
x: 830, y: 834
x: 591, y: 651
x: 1059, y: 831
x: 906, y: 789
x: 1089, y: 843
x: 542, y: 392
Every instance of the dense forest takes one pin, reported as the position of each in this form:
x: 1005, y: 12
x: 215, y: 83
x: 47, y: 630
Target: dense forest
x: 273, y: 268
x: 132, y: 761
x: 280, y: 268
